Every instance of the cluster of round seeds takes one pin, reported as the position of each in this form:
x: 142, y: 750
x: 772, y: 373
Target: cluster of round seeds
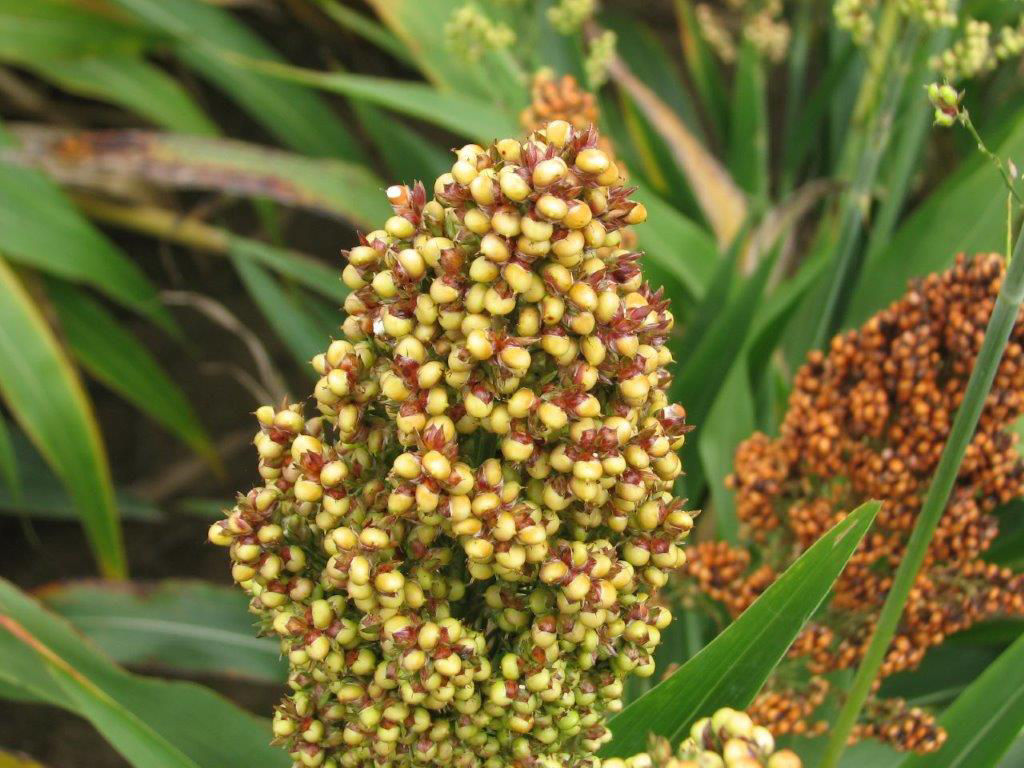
x: 869, y: 420
x: 459, y: 549
x: 727, y: 739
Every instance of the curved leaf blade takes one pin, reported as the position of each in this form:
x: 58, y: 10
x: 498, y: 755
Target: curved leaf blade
x: 46, y: 398
x: 135, y: 740
x: 462, y: 114
x: 132, y: 83
x: 731, y: 669
x: 985, y: 719
x: 40, y: 228
x: 114, y: 357
x: 181, y: 625
x: 203, y: 726
x: 97, y: 158
x: 295, y: 116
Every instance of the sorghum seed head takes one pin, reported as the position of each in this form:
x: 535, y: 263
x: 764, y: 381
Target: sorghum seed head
x: 442, y: 549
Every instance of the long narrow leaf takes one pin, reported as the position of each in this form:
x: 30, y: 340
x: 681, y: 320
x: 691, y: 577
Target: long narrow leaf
x: 46, y: 398
x: 985, y: 719
x: 185, y: 626
x: 460, y: 113
x: 290, y: 322
x: 49, y: 29
x: 132, y: 737
x: 721, y: 201
x: 675, y: 243
x: 113, y: 356
x: 733, y: 667
x: 206, y: 728
x: 704, y: 372
x: 192, y: 233
x: 40, y: 228
x: 295, y: 116
x: 966, y: 213
x: 132, y: 83
x: 42, y: 496
x: 748, y: 145
x: 8, y: 462
x: 98, y: 158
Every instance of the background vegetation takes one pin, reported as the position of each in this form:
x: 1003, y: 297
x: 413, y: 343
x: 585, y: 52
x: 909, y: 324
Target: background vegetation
x: 177, y: 177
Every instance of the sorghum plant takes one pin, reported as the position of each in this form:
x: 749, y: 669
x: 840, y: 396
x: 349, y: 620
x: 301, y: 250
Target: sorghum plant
x: 460, y: 547
x: 727, y: 739
x: 869, y: 420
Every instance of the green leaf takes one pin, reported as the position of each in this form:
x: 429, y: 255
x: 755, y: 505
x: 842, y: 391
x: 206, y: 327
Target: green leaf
x: 290, y: 321
x: 420, y: 28
x: 985, y: 719
x: 41, y: 229
x: 703, y: 67
x: 731, y: 669
x: 730, y: 421
x: 186, y: 626
x: 129, y: 82
x: 460, y: 113
x: 365, y: 27
x: 332, y: 187
x: 699, y: 384
x: 42, y: 496
x: 748, y: 145
x: 296, y: 117
x: 967, y: 213
x: 49, y: 29
x: 298, y: 267
x: 46, y: 398
x: 202, y: 726
x: 674, y: 243
x: 114, y: 357
x: 8, y: 462
x: 407, y: 155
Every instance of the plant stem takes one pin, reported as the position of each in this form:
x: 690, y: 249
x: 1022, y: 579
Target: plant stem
x: 996, y: 335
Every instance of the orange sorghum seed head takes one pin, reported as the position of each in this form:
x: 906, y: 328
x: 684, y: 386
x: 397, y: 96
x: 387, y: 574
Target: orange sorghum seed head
x: 868, y: 419
x: 458, y: 549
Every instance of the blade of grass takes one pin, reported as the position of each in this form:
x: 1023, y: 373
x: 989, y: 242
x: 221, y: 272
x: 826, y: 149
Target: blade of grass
x: 997, y: 333
x: 206, y: 728
x: 183, y: 625
x: 796, y: 78
x: 748, y: 144
x: 673, y: 242
x: 967, y: 212
x: 192, y: 233
x: 730, y: 421
x: 133, y: 738
x: 113, y: 356
x: 365, y: 27
x: 108, y: 158
x: 9, y: 462
x: 298, y: 330
x: 460, y: 113
x: 704, y: 71
x: 295, y: 116
x: 406, y: 153
x: 50, y: 29
x: 985, y: 719
x: 132, y: 83
x: 731, y: 669
x: 721, y: 201
x: 47, y: 400
x: 40, y: 228
x: 867, y: 146
x: 700, y: 382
